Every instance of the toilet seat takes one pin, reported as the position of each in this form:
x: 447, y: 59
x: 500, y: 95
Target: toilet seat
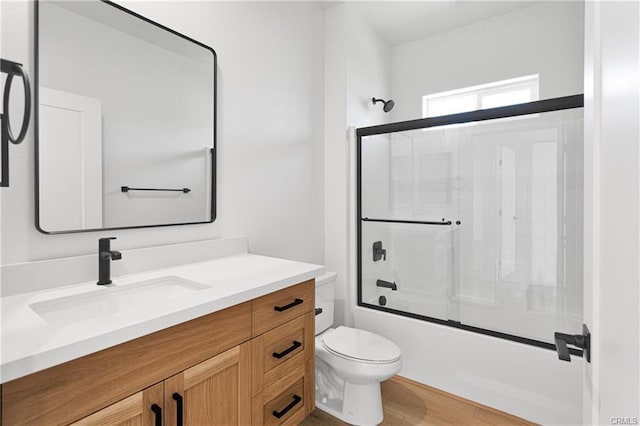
x: 362, y: 345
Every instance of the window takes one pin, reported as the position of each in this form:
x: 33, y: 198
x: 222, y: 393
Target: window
x: 492, y: 95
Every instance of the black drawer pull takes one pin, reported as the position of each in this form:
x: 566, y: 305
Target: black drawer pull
x: 285, y: 410
x: 287, y: 351
x: 318, y: 311
x: 178, y: 398
x: 289, y: 306
x: 158, y: 412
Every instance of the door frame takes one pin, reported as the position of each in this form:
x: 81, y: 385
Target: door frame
x: 611, y: 382
x: 90, y: 110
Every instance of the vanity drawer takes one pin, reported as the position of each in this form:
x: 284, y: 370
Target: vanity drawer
x: 281, y: 350
x: 277, y: 308
x: 285, y: 402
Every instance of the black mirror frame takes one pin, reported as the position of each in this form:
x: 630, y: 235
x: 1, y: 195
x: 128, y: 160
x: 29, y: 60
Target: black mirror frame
x: 36, y: 114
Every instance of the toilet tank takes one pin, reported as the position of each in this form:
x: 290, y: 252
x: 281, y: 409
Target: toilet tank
x: 325, y: 294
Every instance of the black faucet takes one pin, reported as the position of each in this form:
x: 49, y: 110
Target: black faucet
x: 387, y: 284
x: 105, y: 256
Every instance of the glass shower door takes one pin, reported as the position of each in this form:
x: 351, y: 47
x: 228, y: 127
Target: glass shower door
x: 521, y: 208
x: 410, y: 206
x: 476, y: 225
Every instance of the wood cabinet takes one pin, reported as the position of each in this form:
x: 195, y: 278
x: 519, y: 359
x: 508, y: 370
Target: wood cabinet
x: 214, y: 392
x: 142, y: 408
x: 226, y: 368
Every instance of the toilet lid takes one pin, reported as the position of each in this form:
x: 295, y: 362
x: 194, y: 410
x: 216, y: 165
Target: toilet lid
x: 360, y: 344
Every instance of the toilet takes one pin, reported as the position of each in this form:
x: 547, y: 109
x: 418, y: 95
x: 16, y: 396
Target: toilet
x: 350, y: 363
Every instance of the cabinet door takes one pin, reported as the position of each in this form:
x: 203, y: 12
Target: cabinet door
x: 140, y: 409
x: 214, y: 392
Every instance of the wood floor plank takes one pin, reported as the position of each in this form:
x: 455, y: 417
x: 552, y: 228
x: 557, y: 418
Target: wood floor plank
x: 408, y: 403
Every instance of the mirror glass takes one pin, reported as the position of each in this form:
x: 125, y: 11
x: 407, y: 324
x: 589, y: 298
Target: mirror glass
x: 126, y: 121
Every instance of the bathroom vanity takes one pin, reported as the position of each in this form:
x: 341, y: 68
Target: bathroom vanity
x: 249, y: 360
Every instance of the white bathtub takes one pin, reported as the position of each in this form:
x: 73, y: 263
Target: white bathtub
x: 520, y: 379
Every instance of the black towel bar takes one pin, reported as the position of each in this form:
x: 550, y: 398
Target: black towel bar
x: 415, y: 222
x: 127, y: 189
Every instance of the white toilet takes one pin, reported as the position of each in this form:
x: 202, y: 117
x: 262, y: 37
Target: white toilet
x: 350, y: 363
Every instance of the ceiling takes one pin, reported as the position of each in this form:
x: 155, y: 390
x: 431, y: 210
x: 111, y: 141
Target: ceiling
x: 400, y: 22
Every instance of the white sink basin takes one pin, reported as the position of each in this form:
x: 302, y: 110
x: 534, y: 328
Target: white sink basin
x: 114, y: 298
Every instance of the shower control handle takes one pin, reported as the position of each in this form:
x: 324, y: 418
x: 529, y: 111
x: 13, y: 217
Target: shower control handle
x: 379, y: 252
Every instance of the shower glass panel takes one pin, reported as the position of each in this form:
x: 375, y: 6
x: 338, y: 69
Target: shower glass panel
x: 480, y: 223
x: 408, y: 177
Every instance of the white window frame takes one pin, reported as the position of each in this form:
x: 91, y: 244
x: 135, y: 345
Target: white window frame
x: 482, y: 91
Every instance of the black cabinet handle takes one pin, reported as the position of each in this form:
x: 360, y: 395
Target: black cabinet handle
x: 296, y: 302
x: 285, y: 410
x: 178, y: 398
x: 318, y: 311
x: 158, y: 412
x: 287, y: 351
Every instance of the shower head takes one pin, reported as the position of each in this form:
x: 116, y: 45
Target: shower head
x: 388, y: 105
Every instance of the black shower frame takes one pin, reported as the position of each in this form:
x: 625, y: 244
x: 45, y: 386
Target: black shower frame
x: 535, y: 107
x: 36, y: 103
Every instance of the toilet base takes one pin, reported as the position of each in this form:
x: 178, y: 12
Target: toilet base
x: 356, y: 404
x: 362, y: 405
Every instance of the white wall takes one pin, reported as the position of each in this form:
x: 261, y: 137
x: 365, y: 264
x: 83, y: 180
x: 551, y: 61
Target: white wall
x: 368, y: 72
x: 336, y: 154
x: 545, y: 38
x: 356, y: 69
x: 270, y: 158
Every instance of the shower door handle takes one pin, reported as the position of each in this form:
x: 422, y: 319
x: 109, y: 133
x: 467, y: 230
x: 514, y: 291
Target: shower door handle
x: 582, y: 341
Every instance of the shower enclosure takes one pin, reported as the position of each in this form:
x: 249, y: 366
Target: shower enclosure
x: 474, y: 220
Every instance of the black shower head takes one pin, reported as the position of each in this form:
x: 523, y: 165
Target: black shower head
x: 388, y: 105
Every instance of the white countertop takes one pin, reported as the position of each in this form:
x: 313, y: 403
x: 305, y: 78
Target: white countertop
x: 30, y: 343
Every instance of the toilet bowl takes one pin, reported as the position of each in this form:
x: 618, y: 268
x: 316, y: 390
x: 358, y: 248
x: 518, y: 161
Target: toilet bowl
x: 350, y: 364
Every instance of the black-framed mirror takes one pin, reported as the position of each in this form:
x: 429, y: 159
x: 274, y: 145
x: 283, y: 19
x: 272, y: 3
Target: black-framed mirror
x: 125, y: 121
